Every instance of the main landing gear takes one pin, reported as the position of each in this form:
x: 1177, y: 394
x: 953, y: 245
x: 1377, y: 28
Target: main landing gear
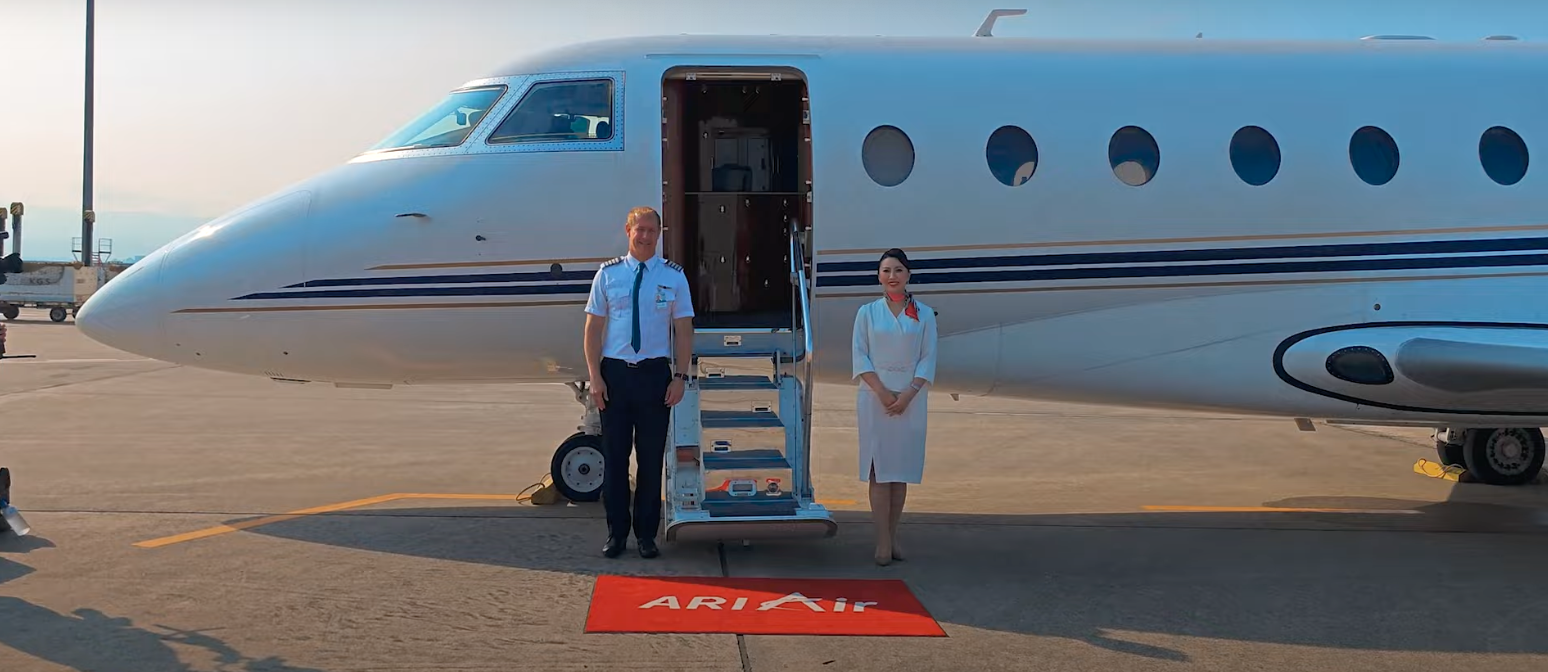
x: 1496, y: 456
x: 577, y: 464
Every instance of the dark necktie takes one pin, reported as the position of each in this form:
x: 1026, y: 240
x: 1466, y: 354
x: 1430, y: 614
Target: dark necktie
x: 639, y: 275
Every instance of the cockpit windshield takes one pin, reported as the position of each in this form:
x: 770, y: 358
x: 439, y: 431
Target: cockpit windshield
x: 447, y: 124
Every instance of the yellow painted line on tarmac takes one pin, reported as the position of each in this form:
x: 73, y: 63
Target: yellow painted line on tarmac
x: 328, y: 508
x: 249, y: 524
x: 427, y: 495
x: 353, y: 504
x: 1264, y: 509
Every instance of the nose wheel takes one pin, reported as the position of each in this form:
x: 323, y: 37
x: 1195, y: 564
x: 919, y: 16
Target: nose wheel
x: 577, y: 464
x: 577, y: 468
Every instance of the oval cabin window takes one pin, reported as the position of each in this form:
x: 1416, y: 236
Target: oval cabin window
x: 1012, y: 156
x: 888, y: 156
x: 1255, y: 155
x: 1134, y: 155
x: 1503, y: 155
x: 1360, y: 365
x: 1373, y: 155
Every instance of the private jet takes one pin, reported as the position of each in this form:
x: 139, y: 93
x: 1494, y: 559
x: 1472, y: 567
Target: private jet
x: 1335, y: 231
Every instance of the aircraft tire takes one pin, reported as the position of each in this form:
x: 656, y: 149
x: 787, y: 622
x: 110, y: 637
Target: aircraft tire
x: 1450, y: 455
x: 1489, y: 457
x: 577, y: 468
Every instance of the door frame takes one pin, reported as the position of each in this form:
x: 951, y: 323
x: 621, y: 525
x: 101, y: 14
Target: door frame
x: 674, y: 80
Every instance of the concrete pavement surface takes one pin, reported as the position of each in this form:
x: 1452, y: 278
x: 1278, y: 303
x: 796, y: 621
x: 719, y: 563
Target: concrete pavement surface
x: 191, y: 520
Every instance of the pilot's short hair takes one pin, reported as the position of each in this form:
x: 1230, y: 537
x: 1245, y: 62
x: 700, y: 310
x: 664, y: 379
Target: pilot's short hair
x: 636, y: 213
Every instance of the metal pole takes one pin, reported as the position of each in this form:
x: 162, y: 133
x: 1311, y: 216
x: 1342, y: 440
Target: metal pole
x: 17, y: 209
x: 87, y: 217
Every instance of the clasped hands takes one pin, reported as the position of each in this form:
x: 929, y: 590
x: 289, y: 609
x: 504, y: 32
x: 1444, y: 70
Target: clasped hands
x: 897, y: 402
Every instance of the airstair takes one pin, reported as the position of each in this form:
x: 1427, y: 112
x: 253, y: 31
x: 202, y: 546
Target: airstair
x: 738, y: 463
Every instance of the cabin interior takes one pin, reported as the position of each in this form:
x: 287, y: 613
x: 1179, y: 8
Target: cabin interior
x: 737, y: 174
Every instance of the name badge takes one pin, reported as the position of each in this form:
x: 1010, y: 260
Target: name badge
x: 664, y: 296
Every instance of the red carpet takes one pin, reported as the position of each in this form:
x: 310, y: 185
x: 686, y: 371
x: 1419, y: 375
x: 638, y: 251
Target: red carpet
x: 699, y: 605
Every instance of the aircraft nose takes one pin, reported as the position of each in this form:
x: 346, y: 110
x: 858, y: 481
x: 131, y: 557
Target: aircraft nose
x: 129, y: 312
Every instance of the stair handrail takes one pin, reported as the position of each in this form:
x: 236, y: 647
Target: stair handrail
x: 798, y: 276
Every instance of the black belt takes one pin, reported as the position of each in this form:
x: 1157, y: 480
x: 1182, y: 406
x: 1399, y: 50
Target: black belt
x: 636, y: 365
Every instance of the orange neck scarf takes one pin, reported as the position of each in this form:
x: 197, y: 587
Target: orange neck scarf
x: 909, y: 308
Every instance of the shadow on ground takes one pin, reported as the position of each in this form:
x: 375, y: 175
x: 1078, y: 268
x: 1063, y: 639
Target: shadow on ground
x: 1454, y: 577
x: 88, y: 640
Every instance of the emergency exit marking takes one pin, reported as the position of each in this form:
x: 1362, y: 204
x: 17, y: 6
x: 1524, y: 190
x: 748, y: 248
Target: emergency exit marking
x: 757, y: 606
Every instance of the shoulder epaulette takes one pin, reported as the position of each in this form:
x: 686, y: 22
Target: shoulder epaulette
x: 613, y: 261
x: 675, y: 266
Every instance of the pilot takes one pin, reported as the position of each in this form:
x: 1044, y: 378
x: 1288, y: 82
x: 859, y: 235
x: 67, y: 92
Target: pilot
x: 639, y: 315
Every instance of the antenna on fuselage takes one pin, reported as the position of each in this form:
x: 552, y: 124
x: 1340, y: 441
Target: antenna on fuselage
x: 1501, y: 38
x: 987, y: 29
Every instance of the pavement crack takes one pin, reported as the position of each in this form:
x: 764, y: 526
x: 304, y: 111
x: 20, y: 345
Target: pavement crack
x: 741, y: 640
x: 10, y: 396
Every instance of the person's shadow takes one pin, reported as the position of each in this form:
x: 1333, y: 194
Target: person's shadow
x: 87, y: 640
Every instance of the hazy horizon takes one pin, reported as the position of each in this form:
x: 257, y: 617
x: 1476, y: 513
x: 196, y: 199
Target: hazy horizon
x: 203, y: 106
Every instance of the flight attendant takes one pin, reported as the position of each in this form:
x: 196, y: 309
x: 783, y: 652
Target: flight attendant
x: 639, y: 315
x: 894, y: 359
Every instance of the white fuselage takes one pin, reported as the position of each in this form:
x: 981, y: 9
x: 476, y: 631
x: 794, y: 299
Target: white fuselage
x: 1074, y: 285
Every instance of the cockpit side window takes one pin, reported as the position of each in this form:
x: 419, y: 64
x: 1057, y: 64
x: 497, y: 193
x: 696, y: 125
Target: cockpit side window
x: 565, y: 111
x: 447, y: 124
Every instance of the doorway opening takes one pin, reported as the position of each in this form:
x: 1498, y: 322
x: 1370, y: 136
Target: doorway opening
x: 736, y: 171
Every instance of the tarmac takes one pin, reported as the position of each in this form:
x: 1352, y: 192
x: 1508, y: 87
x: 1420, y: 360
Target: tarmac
x: 193, y: 520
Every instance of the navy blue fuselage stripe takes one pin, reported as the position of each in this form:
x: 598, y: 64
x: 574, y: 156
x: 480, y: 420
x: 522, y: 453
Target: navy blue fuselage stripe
x: 539, y: 276
x: 1008, y: 275
x: 1064, y: 259
x: 1260, y: 268
x: 504, y: 290
x: 1219, y: 254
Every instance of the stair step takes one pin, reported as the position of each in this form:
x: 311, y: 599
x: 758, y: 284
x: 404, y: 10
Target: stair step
x: 737, y: 383
x: 762, y: 344
x: 722, y: 505
x: 739, y: 419
x: 700, y: 353
x: 757, y: 458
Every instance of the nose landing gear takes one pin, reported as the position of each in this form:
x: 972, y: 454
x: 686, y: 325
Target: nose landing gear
x: 577, y: 464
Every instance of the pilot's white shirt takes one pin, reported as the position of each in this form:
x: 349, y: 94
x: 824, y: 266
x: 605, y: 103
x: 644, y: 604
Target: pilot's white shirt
x: 664, y: 296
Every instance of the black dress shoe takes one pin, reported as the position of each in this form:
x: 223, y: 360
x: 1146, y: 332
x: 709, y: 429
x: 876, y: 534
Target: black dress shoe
x: 614, y: 547
x: 648, y: 548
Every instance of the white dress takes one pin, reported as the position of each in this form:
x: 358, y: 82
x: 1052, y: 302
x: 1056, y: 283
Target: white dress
x: 898, y: 350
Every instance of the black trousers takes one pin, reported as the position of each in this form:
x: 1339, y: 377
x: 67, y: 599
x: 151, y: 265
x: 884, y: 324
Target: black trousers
x: 634, y: 414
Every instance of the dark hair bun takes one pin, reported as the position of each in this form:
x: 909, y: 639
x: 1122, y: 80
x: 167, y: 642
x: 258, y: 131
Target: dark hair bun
x: 895, y: 253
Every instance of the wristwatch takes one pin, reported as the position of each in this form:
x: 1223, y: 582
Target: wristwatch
x: 680, y: 376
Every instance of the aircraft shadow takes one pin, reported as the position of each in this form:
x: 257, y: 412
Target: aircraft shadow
x: 1458, y: 578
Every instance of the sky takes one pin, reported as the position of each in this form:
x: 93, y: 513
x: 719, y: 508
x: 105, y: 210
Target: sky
x: 204, y: 105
